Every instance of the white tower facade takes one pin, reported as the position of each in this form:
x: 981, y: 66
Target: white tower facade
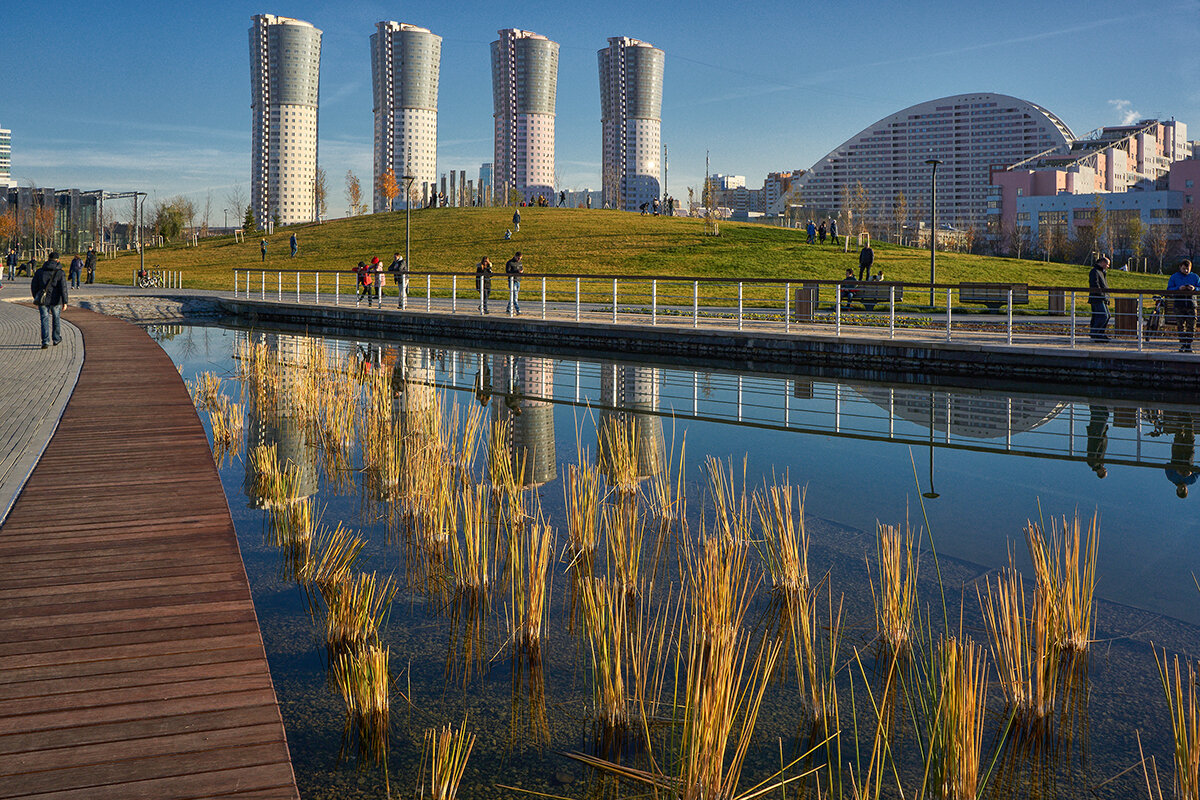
x: 631, y: 84
x: 405, y: 63
x: 285, y: 72
x: 5, y: 157
x: 524, y: 91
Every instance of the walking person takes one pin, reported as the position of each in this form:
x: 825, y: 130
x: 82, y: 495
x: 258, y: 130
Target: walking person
x: 295, y: 245
x: 516, y: 220
x: 833, y: 237
x: 10, y: 261
x: 75, y: 271
x: 513, y: 268
x: 364, y: 283
x: 483, y: 283
x: 1098, y: 299
x: 562, y: 198
x: 89, y: 263
x: 866, y: 260
x: 262, y: 246
x: 811, y: 230
x: 821, y: 232
x: 1183, y: 286
x: 400, y: 269
x: 378, y: 275
x: 49, y: 288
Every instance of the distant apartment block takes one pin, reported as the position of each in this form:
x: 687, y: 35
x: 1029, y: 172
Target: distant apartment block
x: 405, y: 64
x: 969, y: 134
x: 285, y: 70
x: 486, y: 178
x: 631, y: 86
x: 5, y: 157
x: 524, y: 91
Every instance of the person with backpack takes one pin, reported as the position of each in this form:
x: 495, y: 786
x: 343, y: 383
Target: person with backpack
x: 76, y: 271
x: 364, y: 283
x: 49, y: 288
x: 513, y: 269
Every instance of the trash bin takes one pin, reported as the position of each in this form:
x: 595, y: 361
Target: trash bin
x: 807, y: 298
x: 1057, y: 299
x: 1125, y: 312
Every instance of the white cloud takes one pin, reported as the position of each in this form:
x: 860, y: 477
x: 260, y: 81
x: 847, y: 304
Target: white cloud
x: 1126, y: 111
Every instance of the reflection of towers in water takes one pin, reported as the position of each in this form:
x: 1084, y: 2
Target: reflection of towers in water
x: 520, y: 381
x: 283, y: 425
x: 962, y: 413
x: 414, y: 390
x: 630, y: 394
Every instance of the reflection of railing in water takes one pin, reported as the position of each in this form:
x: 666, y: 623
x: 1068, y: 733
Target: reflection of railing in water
x: 1100, y: 433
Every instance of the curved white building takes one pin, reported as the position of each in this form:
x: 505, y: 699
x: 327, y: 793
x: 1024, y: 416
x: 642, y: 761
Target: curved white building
x: 405, y: 62
x: 285, y: 77
x: 524, y: 91
x: 631, y: 85
x: 968, y: 133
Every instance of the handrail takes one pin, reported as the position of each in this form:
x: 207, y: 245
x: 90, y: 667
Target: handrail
x: 798, y: 281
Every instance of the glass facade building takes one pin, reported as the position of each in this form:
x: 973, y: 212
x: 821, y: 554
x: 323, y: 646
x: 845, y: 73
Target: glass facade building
x: 524, y: 92
x: 285, y: 74
x: 631, y: 84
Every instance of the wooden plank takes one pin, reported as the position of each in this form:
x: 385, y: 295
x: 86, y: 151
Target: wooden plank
x: 131, y: 665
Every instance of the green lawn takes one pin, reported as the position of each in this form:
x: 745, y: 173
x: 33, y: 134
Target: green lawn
x: 559, y: 240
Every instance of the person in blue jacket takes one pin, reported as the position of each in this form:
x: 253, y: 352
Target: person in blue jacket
x: 1183, y: 285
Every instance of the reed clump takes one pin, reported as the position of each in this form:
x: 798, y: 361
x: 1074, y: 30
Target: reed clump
x: 624, y: 535
x: 956, y: 729
x: 895, y: 592
x: 619, y: 452
x: 730, y: 506
x: 362, y: 678
x: 1065, y: 565
x: 472, y: 550
x: 355, y: 609
x: 581, y: 493
x: 1026, y: 657
x: 530, y: 553
x: 606, y: 621
x: 228, y: 423
x: 445, y: 759
x: 780, y: 511
x: 336, y: 550
x: 205, y: 390
x: 1184, y: 704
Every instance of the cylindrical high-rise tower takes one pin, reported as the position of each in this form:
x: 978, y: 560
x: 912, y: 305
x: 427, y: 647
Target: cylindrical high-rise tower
x: 524, y: 90
x: 405, y: 62
x: 631, y: 83
x: 285, y: 76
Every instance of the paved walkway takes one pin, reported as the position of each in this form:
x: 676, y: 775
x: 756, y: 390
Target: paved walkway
x: 35, y: 385
x: 131, y: 663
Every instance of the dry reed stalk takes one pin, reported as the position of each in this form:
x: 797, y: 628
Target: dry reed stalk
x: 227, y: 421
x: 619, y: 450
x: 605, y: 618
x: 624, y: 535
x: 355, y: 609
x: 667, y: 495
x: 362, y: 678
x: 446, y: 754
x: 581, y: 494
x: 529, y: 662
x: 785, y: 541
x: 336, y: 549
x: 530, y: 585
x: 1066, y: 574
x: 205, y: 389
x: 1026, y: 659
x: 472, y: 553
x: 468, y: 443
x: 291, y: 523
x: 896, y: 597
x: 732, y: 513
x: 952, y: 765
x: 274, y: 484
x: 1185, y: 724
x: 815, y: 644
x: 465, y: 657
x: 499, y: 462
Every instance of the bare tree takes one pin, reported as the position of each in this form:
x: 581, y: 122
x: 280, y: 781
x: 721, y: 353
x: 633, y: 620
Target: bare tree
x: 187, y: 211
x: 321, y: 193
x: 860, y: 203
x: 1189, y: 229
x: 353, y: 193
x: 236, y: 200
x: 900, y: 214
x: 207, y: 212
x: 1158, y: 243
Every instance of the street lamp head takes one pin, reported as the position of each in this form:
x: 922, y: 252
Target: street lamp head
x: 932, y: 161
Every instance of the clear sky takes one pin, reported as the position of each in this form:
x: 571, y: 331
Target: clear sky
x: 155, y: 96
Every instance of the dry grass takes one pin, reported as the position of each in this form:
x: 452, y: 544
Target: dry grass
x: 228, y: 423
x: 895, y: 596
x: 1026, y: 659
x: 624, y: 536
x: 362, y: 678
x: 205, y: 390
x: 1066, y: 575
x: 355, y: 609
x: 530, y: 584
x: 606, y: 621
x: 445, y: 758
x: 1184, y: 705
x: 335, y: 552
x: 581, y: 494
x: 956, y: 729
x: 472, y: 551
x: 730, y: 507
x: 618, y: 445
x: 780, y: 510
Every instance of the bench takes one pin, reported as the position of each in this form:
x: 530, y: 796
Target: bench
x: 870, y: 293
x: 993, y: 295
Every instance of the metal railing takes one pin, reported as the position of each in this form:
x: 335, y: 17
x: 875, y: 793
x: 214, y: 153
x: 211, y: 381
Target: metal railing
x: 158, y: 279
x: 996, y: 313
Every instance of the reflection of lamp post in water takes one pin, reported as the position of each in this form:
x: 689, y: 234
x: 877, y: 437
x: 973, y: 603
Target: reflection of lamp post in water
x: 931, y: 494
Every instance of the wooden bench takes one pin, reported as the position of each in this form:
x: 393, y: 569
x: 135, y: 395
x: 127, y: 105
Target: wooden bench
x: 993, y: 295
x: 870, y: 293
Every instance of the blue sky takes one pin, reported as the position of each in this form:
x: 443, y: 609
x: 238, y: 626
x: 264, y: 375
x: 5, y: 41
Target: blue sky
x: 155, y: 96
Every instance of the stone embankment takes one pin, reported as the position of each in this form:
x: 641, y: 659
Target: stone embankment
x: 154, y: 309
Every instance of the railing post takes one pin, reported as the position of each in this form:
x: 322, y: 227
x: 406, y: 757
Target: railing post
x: 577, y: 299
x: 279, y: 286
x: 453, y: 294
x: 428, y: 292
x: 695, y: 303
x: 297, y: 287
x: 1139, y: 323
x: 787, y: 308
x: 614, y: 301
x: 837, y: 311
x: 235, y: 284
x: 654, y: 301
x: 892, y: 311
x: 1072, y: 318
x: 949, y: 312
x: 317, y: 287
x: 264, y: 285
x: 543, y: 297
x: 337, y: 288
x: 739, y: 305
x: 1010, y: 295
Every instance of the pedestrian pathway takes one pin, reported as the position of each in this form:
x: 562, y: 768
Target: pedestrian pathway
x: 131, y: 663
x: 35, y: 385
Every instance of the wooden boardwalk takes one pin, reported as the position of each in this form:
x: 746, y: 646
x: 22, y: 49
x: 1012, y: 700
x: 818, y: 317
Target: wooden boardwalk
x: 131, y: 664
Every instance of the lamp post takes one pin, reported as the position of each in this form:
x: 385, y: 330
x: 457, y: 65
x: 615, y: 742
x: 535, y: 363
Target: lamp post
x: 225, y: 211
x: 933, y: 162
x: 408, y: 179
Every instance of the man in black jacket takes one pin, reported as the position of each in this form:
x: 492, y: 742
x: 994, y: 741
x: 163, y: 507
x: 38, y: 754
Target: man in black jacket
x: 513, y: 268
x: 49, y: 287
x: 1098, y: 299
x: 89, y: 263
x: 866, y: 260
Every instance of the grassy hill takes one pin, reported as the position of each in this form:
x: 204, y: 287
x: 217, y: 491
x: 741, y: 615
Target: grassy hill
x: 559, y: 240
